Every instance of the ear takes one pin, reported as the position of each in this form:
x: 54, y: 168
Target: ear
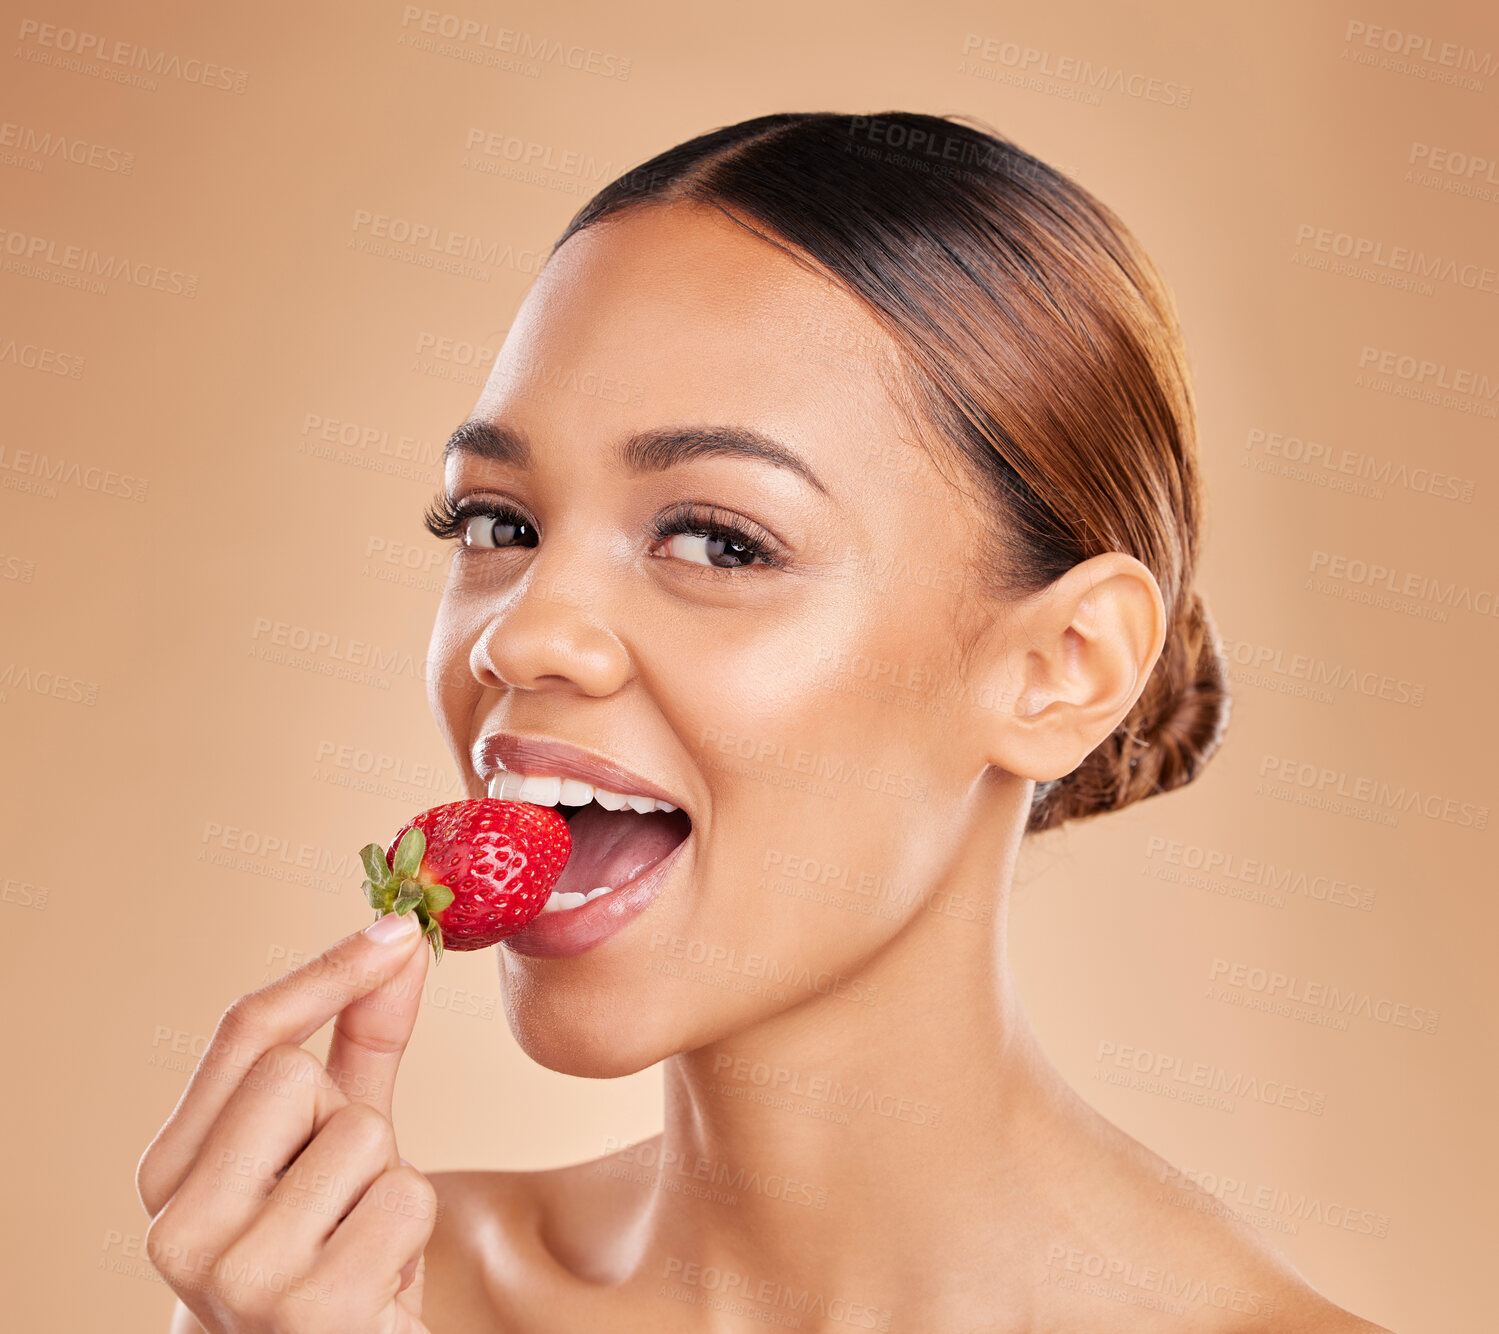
x: 1071, y: 662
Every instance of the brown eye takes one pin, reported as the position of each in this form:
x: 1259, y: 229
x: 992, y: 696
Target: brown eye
x: 492, y: 529
x: 721, y: 550
x: 715, y: 538
x: 478, y: 523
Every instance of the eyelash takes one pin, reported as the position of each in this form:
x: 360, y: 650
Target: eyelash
x: 445, y: 519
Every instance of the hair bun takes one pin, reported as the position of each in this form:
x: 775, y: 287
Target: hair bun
x: 1164, y: 741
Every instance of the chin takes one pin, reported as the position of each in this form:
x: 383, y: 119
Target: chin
x: 595, y: 1047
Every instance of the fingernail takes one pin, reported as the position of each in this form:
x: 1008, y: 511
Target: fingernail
x: 391, y: 927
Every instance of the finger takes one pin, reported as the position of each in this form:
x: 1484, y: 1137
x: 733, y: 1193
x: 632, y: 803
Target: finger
x: 411, y: 1271
x: 323, y: 1184
x: 278, y: 1107
x: 384, y: 1232
x: 371, y: 1033
x: 288, y: 1010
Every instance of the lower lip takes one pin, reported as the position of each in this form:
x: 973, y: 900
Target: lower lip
x: 560, y: 935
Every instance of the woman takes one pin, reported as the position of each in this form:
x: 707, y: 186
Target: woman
x: 835, y: 488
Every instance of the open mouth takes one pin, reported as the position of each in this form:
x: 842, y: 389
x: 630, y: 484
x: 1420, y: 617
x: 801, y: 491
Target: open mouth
x: 617, y: 836
x: 611, y: 849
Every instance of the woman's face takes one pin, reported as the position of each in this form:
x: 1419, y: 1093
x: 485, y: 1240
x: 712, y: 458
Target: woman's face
x: 804, y: 705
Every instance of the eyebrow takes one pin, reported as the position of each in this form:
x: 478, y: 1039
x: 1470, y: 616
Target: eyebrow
x: 655, y: 450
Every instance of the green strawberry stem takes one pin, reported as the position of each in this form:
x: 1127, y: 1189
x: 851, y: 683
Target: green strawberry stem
x: 398, y: 888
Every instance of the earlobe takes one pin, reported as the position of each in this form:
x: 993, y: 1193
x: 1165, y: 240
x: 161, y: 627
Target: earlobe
x: 1074, y: 660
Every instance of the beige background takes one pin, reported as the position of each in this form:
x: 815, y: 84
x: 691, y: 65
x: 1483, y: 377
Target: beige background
x: 155, y: 747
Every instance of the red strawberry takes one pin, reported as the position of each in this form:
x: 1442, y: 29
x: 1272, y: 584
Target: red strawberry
x: 475, y: 871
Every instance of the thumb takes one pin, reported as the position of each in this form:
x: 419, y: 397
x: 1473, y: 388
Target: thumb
x: 370, y: 1033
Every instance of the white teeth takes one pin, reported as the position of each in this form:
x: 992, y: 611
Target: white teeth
x: 506, y: 786
x: 550, y: 790
x: 562, y: 902
x: 542, y: 791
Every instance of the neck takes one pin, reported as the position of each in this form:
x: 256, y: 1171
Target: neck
x: 844, y: 1146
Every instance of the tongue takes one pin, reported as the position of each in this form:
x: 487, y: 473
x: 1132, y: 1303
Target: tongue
x: 612, y: 847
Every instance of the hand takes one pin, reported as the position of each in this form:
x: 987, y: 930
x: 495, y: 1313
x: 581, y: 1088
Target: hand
x: 277, y: 1197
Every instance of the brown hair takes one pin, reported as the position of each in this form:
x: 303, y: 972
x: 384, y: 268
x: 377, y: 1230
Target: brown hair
x: 1039, y: 341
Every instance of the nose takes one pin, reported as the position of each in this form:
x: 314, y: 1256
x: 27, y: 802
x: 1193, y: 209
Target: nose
x: 548, y: 636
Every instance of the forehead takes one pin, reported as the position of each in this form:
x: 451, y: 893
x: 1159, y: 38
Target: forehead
x: 678, y: 312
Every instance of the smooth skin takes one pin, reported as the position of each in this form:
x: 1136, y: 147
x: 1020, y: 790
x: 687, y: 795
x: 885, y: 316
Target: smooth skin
x: 966, y: 1187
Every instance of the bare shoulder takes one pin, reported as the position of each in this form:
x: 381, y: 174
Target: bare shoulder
x: 1317, y: 1315
x: 483, y: 1246
x: 1170, y: 1240
x: 510, y: 1248
x: 1214, y: 1239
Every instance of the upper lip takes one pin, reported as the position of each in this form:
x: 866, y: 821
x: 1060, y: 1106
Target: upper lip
x: 541, y: 755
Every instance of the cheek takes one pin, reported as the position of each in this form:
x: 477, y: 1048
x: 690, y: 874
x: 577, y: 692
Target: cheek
x: 860, y: 706
x: 452, y: 690
x: 833, y: 758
